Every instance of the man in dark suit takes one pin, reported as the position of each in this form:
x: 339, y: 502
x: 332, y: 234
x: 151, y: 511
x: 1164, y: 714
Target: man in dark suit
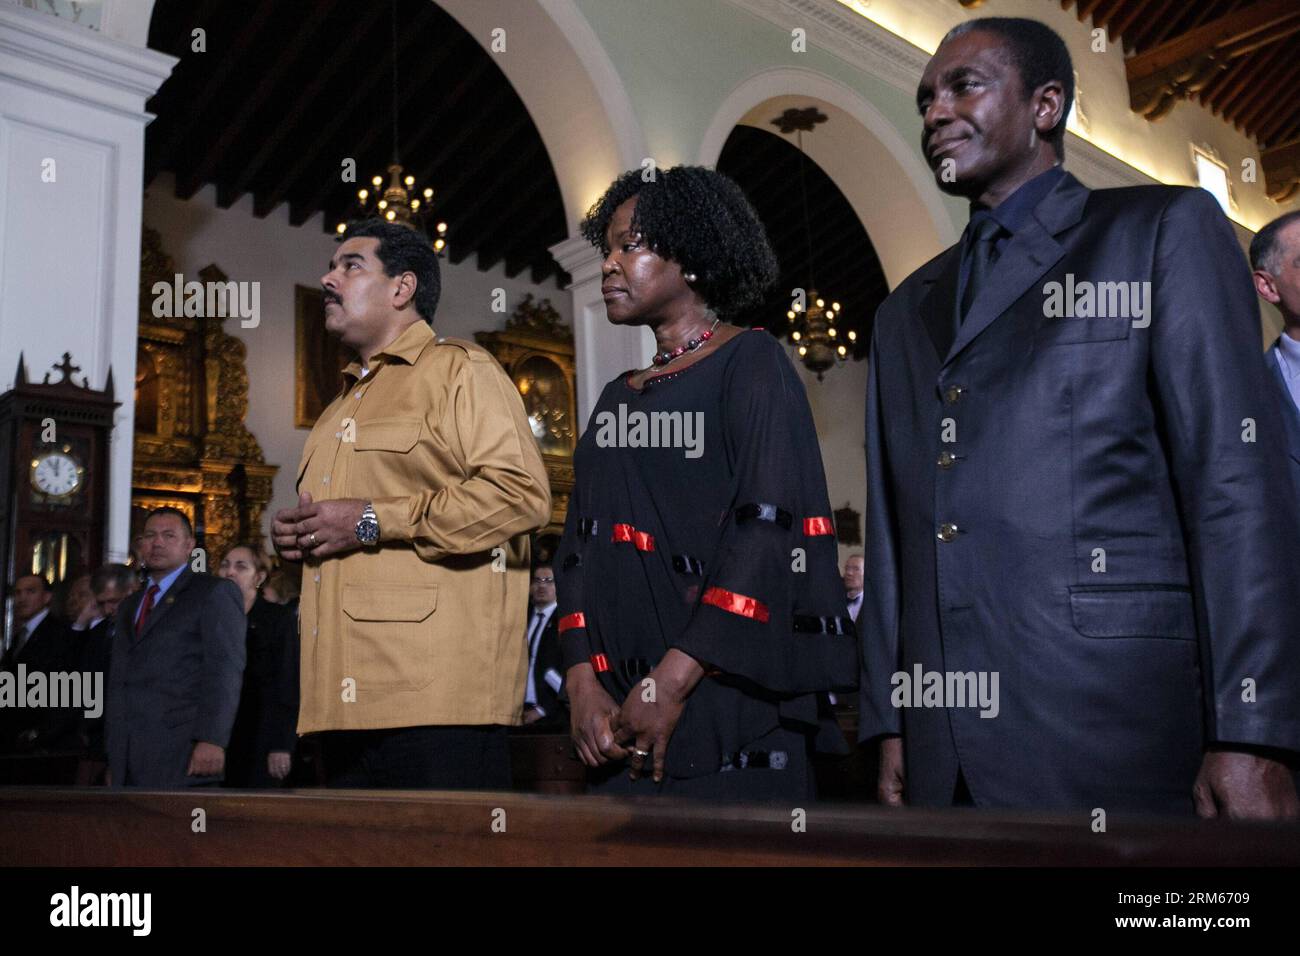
x: 1078, y: 505
x: 92, y: 645
x: 1275, y: 257
x: 542, y: 704
x: 177, y: 666
x: 38, y: 643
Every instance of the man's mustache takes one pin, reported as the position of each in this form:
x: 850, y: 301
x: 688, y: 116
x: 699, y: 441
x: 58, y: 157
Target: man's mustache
x: 332, y: 297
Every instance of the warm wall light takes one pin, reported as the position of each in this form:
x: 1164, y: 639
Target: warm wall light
x: 1212, y: 176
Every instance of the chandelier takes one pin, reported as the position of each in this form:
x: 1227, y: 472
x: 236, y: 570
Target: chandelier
x: 812, y: 320
x: 399, y: 202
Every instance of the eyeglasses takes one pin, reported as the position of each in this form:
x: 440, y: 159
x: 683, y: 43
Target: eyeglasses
x: 543, y: 580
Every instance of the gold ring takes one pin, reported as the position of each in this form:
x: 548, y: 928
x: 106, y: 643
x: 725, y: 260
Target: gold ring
x: 312, y: 537
x: 641, y: 753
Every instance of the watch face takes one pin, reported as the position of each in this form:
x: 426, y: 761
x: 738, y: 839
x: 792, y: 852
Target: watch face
x: 367, y: 530
x: 56, y: 474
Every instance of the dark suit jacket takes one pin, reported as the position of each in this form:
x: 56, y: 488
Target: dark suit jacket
x: 549, y: 664
x: 177, y: 684
x: 1081, y: 440
x: 48, y: 650
x: 1290, y: 415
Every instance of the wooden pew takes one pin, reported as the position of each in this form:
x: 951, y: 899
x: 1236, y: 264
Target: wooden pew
x: 96, y: 827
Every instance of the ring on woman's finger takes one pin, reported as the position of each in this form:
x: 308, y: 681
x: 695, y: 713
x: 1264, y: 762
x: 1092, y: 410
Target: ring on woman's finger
x: 641, y: 753
x: 312, y: 538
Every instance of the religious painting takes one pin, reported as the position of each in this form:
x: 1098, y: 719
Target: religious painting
x: 319, y: 358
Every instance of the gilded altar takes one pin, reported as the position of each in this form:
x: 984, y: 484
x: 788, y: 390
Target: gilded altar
x: 192, y: 448
x: 536, y: 350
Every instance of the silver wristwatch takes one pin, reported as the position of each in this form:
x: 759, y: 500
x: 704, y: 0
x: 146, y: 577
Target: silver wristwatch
x: 368, y: 526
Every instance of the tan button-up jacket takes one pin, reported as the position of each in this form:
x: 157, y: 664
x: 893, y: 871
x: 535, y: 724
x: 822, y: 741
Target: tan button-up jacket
x: 428, y: 626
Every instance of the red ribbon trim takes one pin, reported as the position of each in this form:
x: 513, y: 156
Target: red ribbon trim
x: 736, y: 604
x: 600, y: 662
x: 570, y: 621
x: 642, y: 540
x: 812, y: 526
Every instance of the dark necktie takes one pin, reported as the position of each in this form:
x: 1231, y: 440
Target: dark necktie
x: 534, y: 633
x: 145, y: 609
x: 978, y: 257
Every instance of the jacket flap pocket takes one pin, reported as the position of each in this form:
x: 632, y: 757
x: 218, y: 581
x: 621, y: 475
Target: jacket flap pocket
x: 1072, y: 331
x: 1154, y: 611
x: 388, y: 434
x: 389, y: 602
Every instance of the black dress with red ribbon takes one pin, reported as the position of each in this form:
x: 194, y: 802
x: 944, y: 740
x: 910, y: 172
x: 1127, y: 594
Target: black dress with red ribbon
x: 699, y: 520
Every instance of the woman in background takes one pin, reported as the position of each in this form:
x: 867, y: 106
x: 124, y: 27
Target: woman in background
x: 265, y: 731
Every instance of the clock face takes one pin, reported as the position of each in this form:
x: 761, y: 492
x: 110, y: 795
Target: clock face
x: 56, y: 474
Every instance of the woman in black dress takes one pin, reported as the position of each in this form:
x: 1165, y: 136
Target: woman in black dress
x: 701, y: 607
x: 264, y: 735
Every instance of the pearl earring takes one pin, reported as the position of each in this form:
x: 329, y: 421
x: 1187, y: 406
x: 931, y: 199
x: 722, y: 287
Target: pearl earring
x: 689, y: 277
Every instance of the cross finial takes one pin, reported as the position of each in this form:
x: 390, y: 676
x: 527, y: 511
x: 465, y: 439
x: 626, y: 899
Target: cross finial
x: 66, y: 367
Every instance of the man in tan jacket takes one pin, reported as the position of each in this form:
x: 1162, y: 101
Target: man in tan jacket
x: 417, y: 489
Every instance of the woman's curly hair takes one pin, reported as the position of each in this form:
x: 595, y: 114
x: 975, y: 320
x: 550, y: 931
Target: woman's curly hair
x: 701, y: 220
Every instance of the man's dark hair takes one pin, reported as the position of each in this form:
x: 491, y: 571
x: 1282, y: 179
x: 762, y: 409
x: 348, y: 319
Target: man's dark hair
x: 169, y: 510
x: 403, y: 249
x: 46, y: 586
x: 701, y: 220
x: 118, y: 575
x: 1265, y: 247
x: 1039, y: 55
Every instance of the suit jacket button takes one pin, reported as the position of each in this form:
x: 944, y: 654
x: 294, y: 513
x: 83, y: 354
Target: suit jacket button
x: 946, y: 459
x: 947, y: 532
x: 953, y: 393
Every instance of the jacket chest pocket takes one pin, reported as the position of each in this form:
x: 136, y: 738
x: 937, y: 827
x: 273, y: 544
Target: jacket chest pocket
x: 382, y: 460
x: 395, y: 435
x: 1076, y: 331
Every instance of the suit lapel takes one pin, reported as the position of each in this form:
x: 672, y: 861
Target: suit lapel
x: 940, y: 300
x: 1290, y: 414
x: 166, y: 602
x: 1031, y: 252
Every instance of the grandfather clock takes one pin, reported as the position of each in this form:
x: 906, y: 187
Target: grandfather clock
x: 54, y: 440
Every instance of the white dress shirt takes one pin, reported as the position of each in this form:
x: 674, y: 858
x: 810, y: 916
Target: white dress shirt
x: 537, y: 622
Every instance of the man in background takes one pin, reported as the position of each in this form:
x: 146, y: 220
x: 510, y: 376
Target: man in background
x: 853, y: 584
x: 176, y: 669
x: 38, y: 643
x: 1275, y: 259
x: 542, y: 706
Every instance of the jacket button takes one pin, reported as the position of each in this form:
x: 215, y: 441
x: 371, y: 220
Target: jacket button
x: 953, y: 393
x: 947, y: 532
x: 946, y: 459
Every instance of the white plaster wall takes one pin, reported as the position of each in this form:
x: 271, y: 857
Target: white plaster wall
x: 279, y: 256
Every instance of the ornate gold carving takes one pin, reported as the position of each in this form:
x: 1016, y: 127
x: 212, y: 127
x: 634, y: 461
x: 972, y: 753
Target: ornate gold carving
x: 536, y: 351
x: 201, y: 452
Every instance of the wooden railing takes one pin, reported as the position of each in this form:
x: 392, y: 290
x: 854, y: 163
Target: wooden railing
x: 97, y: 827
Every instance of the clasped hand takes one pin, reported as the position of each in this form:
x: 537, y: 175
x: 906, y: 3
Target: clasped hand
x: 317, y: 529
x: 643, y: 726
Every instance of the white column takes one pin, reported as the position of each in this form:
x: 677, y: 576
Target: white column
x: 603, y: 350
x: 72, y: 124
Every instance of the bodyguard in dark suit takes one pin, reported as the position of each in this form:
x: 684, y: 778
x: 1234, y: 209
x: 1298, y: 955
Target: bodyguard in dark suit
x: 178, y: 661
x: 1275, y: 257
x: 1077, y: 497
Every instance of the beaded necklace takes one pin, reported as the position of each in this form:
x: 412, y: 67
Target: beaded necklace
x: 663, y: 358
